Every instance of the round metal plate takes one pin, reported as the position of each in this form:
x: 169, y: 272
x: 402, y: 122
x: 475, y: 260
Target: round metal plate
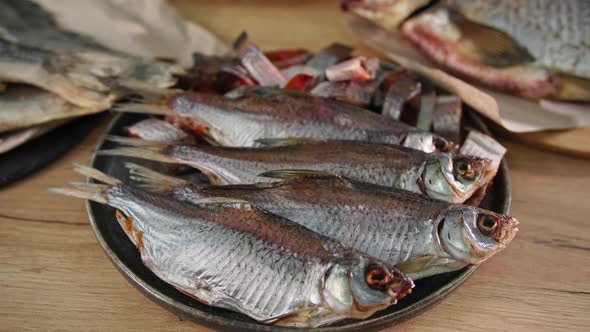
x: 125, y: 257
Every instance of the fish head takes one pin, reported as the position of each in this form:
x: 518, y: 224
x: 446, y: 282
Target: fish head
x: 472, y: 235
x: 359, y: 287
x: 386, y: 13
x: 454, y: 178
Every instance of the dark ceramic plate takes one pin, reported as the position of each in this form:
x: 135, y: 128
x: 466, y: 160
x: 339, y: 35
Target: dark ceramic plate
x: 126, y: 258
x: 34, y: 155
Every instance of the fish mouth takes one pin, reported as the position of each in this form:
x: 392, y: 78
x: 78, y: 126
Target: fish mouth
x: 508, y: 230
x: 401, y: 286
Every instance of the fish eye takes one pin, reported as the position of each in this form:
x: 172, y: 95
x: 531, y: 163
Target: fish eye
x: 440, y: 144
x: 487, y: 225
x: 377, y: 278
x: 464, y: 169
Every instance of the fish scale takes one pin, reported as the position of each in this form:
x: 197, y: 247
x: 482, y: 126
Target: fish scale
x: 557, y: 40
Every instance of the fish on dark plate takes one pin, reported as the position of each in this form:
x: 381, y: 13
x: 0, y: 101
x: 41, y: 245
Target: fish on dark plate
x: 449, y: 177
x: 231, y: 254
x: 535, y: 49
x: 260, y: 113
x: 422, y: 236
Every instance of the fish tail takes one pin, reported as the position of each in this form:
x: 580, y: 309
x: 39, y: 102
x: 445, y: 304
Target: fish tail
x: 93, y: 193
x: 155, y: 109
x: 93, y: 173
x: 148, y: 100
x: 139, y: 149
x: 153, y: 181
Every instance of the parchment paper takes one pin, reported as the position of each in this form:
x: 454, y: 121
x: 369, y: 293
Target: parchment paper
x: 516, y: 114
x: 147, y: 28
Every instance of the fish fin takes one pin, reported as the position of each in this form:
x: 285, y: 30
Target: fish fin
x: 153, y: 181
x: 139, y: 148
x: 95, y: 174
x: 141, y: 153
x: 417, y: 264
x: 274, y: 142
x: 136, y: 142
x: 90, y: 193
x: 126, y: 225
x: 290, y: 174
x: 142, y: 108
x: 488, y: 45
x: 89, y: 186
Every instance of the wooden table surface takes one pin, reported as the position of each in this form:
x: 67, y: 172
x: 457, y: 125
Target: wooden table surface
x: 55, y: 277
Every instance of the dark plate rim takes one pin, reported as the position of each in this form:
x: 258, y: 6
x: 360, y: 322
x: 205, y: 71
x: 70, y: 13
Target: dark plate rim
x: 201, y: 317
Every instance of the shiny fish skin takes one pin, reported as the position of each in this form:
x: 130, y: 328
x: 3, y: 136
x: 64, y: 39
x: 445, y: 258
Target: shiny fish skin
x: 236, y: 256
x: 273, y: 113
x: 393, y: 225
x: 387, y: 165
x: 556, y: 33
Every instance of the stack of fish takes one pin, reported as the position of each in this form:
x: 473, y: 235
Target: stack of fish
x: 49, y: 76
x: 318, y: 209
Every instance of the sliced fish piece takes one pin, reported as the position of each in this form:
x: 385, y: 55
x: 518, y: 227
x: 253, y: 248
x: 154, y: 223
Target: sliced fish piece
x: 257, y: 64
x: 397, y: 226
x: 157, y: 130
x: 448, y: 177
x: 234, y: 255
x: 447, y: 118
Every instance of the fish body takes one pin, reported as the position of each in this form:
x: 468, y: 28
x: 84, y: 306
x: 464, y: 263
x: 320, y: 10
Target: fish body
x: 436, y: 175
x: 261, y: 113
x: 233, y: 255
x: 534, y: 49
x: 396, y: 226
x: 26, y: 106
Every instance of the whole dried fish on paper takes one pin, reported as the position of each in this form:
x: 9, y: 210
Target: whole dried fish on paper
x: 72, y: 66
x: 396, y: 226
x: 448, y: 177
x: 230, y: 254
x: 26, y: 106
x: 273, y: 113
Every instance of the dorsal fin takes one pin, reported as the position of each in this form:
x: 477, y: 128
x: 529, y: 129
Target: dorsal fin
x: 488, y: 45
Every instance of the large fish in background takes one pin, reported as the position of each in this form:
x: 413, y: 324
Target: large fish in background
x: 535, y: 49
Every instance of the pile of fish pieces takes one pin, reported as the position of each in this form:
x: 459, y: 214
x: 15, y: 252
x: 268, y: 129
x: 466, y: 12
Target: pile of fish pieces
x: 49, y: 75
x: 318, y: 209
x: 534, y: 49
